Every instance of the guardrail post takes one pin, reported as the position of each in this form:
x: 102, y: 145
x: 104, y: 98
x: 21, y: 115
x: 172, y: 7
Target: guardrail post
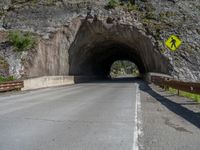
x: 167, y: 88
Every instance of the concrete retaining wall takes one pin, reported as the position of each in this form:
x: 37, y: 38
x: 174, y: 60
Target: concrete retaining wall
x: 82, y: 79
x: 47, y: 81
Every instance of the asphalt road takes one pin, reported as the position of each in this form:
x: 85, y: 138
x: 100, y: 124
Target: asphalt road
x: 111, y: 115
x: 93, y: 116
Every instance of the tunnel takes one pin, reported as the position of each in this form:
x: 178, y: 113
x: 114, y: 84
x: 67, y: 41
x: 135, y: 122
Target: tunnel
x: 99, y: 44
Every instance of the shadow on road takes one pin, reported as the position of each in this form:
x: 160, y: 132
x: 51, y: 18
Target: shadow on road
x: 177, y: 108
x: 119, y: 80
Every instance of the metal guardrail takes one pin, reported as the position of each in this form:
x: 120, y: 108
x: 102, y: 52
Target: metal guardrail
x: 13, y: 85
x: 165, y: 82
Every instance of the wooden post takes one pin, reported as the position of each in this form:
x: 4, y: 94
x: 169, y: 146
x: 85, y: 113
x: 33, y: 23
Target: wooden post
x: 178, y: 89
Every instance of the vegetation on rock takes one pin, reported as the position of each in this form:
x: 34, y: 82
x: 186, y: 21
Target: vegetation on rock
x: 112, y: 4
x: 6, y: 79
x: 128, y: 5
x: 21, y: 41
x: 131, y: 7
x: 1, y: 13
x: 3, y: 63
x: 4, y: 67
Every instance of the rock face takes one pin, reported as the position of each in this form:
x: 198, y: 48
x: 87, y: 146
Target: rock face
x: 11, y: 59
x: 4, y: 67
x: 83, y: 38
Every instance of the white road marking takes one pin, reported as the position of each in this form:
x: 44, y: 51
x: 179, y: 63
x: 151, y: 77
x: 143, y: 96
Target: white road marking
x: 137, y: 120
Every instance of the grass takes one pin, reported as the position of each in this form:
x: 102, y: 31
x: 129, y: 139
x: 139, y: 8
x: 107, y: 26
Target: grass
x: 130, y: 7
x: 151, y: 15
x: 125, y: 5
x: 194, y: 97
x: 21, y: 41
x: 112, y: 4
x: 2, y: 13
x: 6, y: 79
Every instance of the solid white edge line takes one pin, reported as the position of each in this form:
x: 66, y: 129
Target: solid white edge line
x: 136, y: 120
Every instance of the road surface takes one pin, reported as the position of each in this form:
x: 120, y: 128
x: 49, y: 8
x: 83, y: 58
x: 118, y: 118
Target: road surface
x: 79, y: 117
x: 95, y: 116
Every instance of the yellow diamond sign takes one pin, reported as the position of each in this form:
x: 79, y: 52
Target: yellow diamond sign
x: 173, y: 43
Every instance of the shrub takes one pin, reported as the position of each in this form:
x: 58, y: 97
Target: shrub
x: 3, y: 63
x: 21, y: 41
x: 2, y: 13
x: 51, y: 2
x: 6, y: 79
x: 132, y: 7
x: 151, y: 15
x: 112, y: 4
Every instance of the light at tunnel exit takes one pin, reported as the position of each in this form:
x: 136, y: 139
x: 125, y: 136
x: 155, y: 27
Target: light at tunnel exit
x: 123, y: 68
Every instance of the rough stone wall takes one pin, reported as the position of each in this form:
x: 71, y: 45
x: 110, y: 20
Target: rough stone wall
x: 4, y: 67
x: 12, y: 58
x: 182, y: 18
x: 51, y: 57
x: 157, y: 18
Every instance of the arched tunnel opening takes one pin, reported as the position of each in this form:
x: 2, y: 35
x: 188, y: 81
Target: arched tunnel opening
x: 98, y: 45
x: 99, y: 60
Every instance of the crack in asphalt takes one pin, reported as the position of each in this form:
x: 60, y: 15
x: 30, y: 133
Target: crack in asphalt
x: 79, y: 121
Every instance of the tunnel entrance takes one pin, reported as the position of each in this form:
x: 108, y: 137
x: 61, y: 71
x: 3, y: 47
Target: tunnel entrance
x: 123, y: 69
x: 98, y: 45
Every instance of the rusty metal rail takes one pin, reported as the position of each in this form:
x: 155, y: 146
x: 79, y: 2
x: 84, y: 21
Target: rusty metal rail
x: 13, y: 85
x: 164, y: 82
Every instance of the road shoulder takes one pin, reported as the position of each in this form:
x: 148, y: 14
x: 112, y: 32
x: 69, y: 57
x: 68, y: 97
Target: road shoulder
x: 169, y: 121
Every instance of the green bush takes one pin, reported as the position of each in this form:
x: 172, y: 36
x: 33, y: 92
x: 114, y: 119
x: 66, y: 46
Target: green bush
x: 2, y: 13
x: 132, y: 7
x: 51, y: 2
x: 21, y: 41
x: 6, y: 79
x: 112, y: 4
x: 151, y: 15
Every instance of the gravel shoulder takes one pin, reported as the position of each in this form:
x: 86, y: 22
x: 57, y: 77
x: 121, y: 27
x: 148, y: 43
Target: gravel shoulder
x: 169, y: 122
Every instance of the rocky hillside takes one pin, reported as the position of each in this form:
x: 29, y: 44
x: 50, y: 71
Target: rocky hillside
x: 54, y: 23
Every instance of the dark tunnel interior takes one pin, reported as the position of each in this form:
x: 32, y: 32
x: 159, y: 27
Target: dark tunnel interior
x: 98, y: 60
